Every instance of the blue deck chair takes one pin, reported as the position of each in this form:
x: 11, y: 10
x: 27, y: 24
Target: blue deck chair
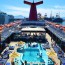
x: 7, y: 63
x: 63, y: 63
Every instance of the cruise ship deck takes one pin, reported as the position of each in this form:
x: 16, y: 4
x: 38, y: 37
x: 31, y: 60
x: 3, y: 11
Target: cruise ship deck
x: 32, y: 41
x: 31, y: 31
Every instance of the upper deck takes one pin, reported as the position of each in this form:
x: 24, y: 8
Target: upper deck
x: 57, y: 32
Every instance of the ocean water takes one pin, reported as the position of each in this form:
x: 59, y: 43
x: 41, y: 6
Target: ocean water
x: 62, y: 23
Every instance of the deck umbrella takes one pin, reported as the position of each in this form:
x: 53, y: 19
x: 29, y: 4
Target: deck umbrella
x: 51, y: 54
x: 14, y: 55
x: 21, y: 42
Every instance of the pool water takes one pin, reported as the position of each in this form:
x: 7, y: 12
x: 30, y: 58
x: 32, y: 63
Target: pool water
x: 35, y: 55
x: 32, y: 56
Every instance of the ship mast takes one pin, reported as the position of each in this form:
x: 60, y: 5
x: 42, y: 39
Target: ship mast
x: 51, y: 15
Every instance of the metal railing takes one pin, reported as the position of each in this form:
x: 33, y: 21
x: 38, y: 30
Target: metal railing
x: 36, y: 63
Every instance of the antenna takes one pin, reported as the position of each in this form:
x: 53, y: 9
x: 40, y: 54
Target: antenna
x: 51, y: 14
x: 59, y: 14
x: 33, y: 1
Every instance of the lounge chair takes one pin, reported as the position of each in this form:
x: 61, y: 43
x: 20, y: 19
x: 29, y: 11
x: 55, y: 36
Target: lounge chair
x: 3, y: 61
x: 63, y: 63
x: 11, y: 48
x: 7, y: 63
x: 0, y: 59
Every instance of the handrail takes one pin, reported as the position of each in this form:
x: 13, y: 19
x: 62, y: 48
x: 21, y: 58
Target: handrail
x: 39, y: 63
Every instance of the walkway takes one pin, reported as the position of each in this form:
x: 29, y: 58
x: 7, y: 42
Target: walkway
x: 51, y: 49
x: 56, y: 32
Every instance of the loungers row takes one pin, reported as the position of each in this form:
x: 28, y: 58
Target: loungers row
x: 60, y: 54
x: 5, y: 56
x: 3, y: 61
x: 11, y: 47
x: 45, y: 46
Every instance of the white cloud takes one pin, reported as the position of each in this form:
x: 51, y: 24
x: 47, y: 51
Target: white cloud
x: 15, y: 13
x: 25, y: 11
x: 58, y: 6
x: 17, y: 8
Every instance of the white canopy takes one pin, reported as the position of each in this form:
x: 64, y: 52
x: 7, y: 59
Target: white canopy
x: 33, y: 29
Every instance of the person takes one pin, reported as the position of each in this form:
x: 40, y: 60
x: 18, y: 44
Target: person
x: 37, y: 54
x: 29, y: 45
x: 25, y: 62
x: 22, y: 63
x: 12, y: 63
x: 41, y: 55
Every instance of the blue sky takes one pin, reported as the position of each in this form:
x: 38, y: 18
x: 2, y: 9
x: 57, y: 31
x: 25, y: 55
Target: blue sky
x: 17, y: 7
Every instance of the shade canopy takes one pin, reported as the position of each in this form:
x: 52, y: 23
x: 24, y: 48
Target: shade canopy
x: 33, y: 29
x: 51, y: 54
x: 21, y: 42
x: 14, y: 55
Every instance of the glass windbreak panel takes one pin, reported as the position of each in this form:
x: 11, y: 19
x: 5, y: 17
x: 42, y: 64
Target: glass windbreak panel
x: 28, y: 64
x: 35, y: 64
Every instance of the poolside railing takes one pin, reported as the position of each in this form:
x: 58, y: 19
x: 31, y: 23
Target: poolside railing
x: 30, y: 63
x: 38, y: 64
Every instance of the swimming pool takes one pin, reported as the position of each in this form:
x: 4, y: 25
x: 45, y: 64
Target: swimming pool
x: 32, y: 55
x: 35, y: 55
